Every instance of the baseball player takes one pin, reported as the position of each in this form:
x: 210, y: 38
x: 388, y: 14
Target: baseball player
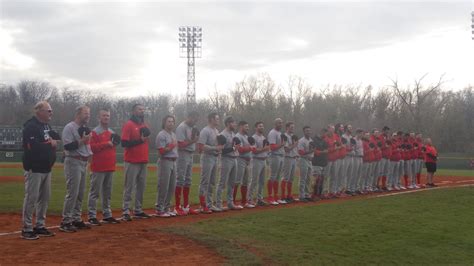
x: 419, y: 159
x: 396, y: 161
x: 431, y: 157
x: 348, y: 159
x: 228, y: 169
x: 39, y: 146
x: 319, y: 161
x: 406, y: 156
x: 367, y: 161
x: 135, y: 138
x: 167, y: 148
x: 331, y: 139
x: 243, y: 164
x: 76, y: 137
x: 358, y: 148
x: 386, y: 151
x: 210, y: 150
x: 289, y: 163
x: 187, y: 135
x: 258, y: 168
x: 103, y: 144
x: 277, y: 143
x: 413, y: 160
x: 375, y: 171
x: 339, y: 162
x: 306, y: 152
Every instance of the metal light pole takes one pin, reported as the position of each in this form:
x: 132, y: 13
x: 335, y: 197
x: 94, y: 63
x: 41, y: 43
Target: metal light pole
x: 190, y: 46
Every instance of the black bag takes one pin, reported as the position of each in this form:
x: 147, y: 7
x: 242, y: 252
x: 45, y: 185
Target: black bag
x: 221, y: 140
x: 115, y: 138
x: 83, y: 131
x: 251, y: 140
x: 144, y: 131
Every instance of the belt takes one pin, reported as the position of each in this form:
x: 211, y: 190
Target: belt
x: 186, y: 151
x: 279, y: 155
x: 245, y: 158
x: 231, y: 157
x: 260, y: 158
x: 79, y: 157
x: 291, y: 157
x: 211, y: 154
x: 169, y: 158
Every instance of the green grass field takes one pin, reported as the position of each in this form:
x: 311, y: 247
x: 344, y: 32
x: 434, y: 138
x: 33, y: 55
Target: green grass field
x: 426, y: 228
x: 13, y: 192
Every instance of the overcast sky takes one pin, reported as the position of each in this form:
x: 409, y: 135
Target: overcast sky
x: 131, y: 47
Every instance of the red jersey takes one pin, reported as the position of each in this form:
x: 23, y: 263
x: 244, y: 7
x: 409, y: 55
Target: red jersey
x: 137, y: 153
x: 368, y: 152
x: 377, y: 150
x: 420, y: 154
x: 386, y: 149
x: 431, y: 154
x: 395, y: 154
x: 331, y: 141
x: 406, y: 151
x: 342, y: 152
x: 103, y: 157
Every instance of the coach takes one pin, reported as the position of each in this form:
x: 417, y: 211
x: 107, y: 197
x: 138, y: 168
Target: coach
x: 39, y: 146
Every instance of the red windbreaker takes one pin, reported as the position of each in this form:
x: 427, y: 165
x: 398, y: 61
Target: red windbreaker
x: 331, y: 141
x: 430, y: 150
x: 103, y: 157
x: 395, y: 155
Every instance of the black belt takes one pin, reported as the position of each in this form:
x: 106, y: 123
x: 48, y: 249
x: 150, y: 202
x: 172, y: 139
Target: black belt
x: 169, y: 158
x: 245, y: 158
x: 260, y: 158
x: 291, y: 157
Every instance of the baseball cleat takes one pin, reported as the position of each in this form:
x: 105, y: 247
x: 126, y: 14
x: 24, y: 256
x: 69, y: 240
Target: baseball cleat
x: 274, y: 203
x: 126, y: 217
x: 94, y: 221
x: 280, y: 201
x: 205, y: 210
x: 262, y: 203
x: 163, y: 214
x: 81, y: 225
x: 215, y: 209
x: 172, y: 213
x: 249, y: 205
x: 180, y: 212
x: 235, y: 207
x: 29, y: 235
x: 43, y: 232
x: 110, y: 220
x: 67, y: 228
x: 141, y: 215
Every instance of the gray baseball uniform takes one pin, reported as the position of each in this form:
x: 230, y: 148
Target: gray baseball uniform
x: 75, y: 168
x: 228, y: 170
x: 166, y: 170
x: 185, y: 155
x: 243, y: 162
x: 276, y: 156
x: 208, y: 138
x: 289, y: 163
x: 305, y: 166
x: 258, y: 168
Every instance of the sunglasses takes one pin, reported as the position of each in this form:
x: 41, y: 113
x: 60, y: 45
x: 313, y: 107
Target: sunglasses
x: 49, y: 111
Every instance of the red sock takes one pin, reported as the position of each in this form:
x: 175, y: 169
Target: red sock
x: 275, y: 189
x: 202, y: 201
x: 288, y: 186
x: 236, y: 188
x: 283, y: 188
x: 405, y: 178
x: 185, y: 196
x: 177, y: 196
x: 384, y: 181
x: 269, y: 188
x: 418, y: 178
x: 243, y: 193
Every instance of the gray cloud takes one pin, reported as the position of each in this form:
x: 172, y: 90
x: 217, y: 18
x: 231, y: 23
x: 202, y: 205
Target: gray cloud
x: 105, y: 41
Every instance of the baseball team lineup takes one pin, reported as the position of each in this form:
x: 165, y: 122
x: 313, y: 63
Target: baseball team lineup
x: 337, y: 161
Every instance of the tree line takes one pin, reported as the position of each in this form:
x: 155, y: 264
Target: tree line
x: 445, y: 115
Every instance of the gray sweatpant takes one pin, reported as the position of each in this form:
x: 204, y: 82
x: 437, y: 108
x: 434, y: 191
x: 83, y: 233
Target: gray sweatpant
x: 257, y: 181
x: 364, y: 175
x: 289, y: 167
x: 101, y: 185
x: 75, y: 172
x: 305, y: 177
x: 276, y: 165
x: 135, y: 179
x: 226, y: 180
x: 328, y: 177
x: 37, y: 194
x: 336, y: 176
x: 243, y: 172
x: 346, y: 173
x: 166, y: 184
x: 185, y: 169
x: 356, y: 168
x: 208, y: 177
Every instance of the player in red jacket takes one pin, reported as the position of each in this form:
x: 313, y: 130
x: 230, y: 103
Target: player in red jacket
x: 103, y: 145
x: 419, y: 158
x: 431, y: 158
x: 332, y: 140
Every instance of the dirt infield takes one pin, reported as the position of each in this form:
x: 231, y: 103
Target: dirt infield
x: 7, y: 179
x: 136, y: 242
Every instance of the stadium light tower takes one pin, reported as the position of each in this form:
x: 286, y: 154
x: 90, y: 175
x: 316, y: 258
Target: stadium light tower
x: 472, y: 24
x: 190, y: 46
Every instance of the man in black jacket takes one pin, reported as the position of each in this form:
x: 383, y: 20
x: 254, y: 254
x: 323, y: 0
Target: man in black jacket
x: 319, y: 162
x: 39, y: 146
